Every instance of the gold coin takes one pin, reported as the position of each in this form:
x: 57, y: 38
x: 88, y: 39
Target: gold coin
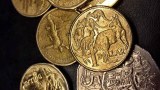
x: 67, y: 4
x: 43, y: 77
x: 100, y: 38
x: 92, y: 3
x: 53, y: 36
x: 31, y: 8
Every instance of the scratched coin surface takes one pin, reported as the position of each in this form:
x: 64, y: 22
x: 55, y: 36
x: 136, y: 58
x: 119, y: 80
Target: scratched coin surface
x: 67, y: 4
x: 43, y: 77
x: 100, y: 38
x: 31, y: 8
x: 139, y: 72
x: 92, y: 3
x: 53, y: 36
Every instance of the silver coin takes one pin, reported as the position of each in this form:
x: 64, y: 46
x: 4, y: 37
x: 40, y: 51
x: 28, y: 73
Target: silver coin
x: 139, y: 72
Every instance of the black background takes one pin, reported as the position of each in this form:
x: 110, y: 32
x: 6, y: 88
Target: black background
x: 18, y: 48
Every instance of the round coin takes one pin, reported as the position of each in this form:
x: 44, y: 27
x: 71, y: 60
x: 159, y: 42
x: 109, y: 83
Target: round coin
x: 53, y: 36
x: 43, y: 77
x: 101, y: 38
x: 67, y: 4
x: 31, y: 8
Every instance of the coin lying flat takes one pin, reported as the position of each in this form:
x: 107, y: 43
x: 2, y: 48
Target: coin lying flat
x: 88, y: 80
x: 43, y: 77
x: 67, y: 4
x: 100, y: 38
x: 139, y: 72
x: 53, y: 36
x: 92, y: 3
x: 31, y: 8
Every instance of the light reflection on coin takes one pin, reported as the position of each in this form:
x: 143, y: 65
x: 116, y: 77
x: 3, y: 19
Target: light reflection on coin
x: 100, y: 38
x: 139, y: 72
x: 31, y: 8
x: 67, y: 4
x: 53, y: 36
x: 109, y: 3
x: 43, y: 77
x: 92, y: 3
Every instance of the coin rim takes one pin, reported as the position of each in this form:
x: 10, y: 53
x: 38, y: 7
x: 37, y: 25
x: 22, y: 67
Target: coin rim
x: 37, y: 37
x: 73, y: 7
x: 128, y: 51
x: 31, y: 16
x: 46, y: 64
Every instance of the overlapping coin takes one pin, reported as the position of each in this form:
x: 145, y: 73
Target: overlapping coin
x: 31, y: 8
x: 101, y: 38
x: 53, y: 36
x: 67, y: 4
x: 43, y: 77
x: 139, y: 72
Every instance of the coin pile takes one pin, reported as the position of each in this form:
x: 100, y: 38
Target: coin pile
x: 92, y: 33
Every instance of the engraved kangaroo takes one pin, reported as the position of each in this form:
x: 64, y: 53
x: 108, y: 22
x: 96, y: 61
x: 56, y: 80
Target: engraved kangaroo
x: 53, y: 33
x: 57, y: 43
x: 113, y: 32
x: 95, y: 34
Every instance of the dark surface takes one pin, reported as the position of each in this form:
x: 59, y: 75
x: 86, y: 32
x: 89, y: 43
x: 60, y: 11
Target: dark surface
x: 18, y: 48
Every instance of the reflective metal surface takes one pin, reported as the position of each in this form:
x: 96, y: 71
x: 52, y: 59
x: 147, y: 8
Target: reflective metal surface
x: 101, y: 38
x: 139, y: 72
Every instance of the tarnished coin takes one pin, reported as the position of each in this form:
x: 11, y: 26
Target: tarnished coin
x: 31, y: 8
x: 92, y: 3
x: 100, y: 38
x: 139, y: 72
x: 53, y: 36
x: 43, y: 77
x: 67, y: 4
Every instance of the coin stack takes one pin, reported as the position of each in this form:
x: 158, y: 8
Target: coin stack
x: 92, y: 33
